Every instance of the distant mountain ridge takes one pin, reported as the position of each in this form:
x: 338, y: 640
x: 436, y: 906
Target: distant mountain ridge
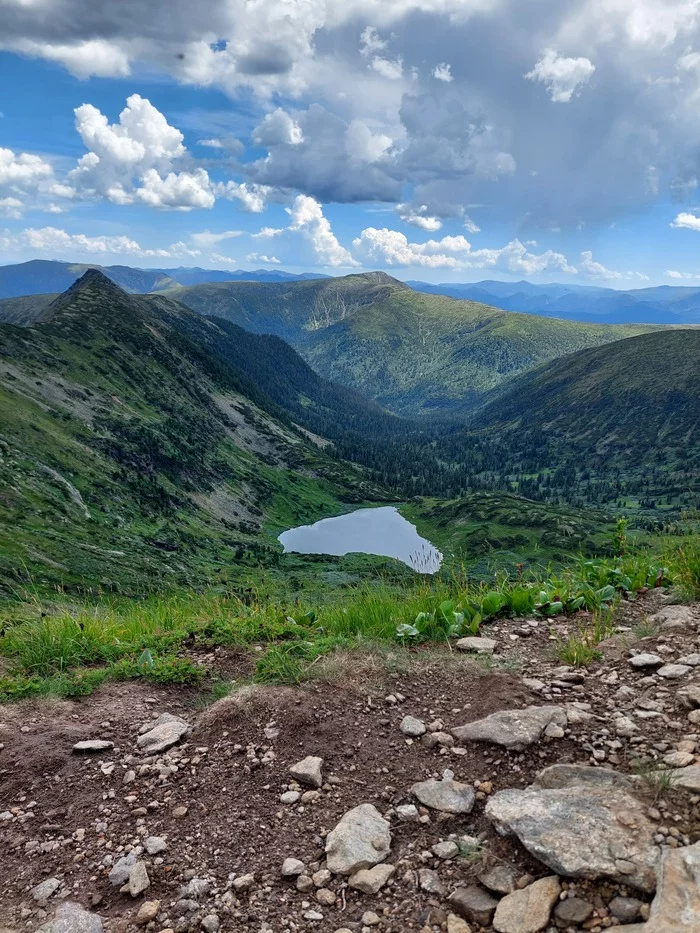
x: 663, y: 304
x: 41, y: 276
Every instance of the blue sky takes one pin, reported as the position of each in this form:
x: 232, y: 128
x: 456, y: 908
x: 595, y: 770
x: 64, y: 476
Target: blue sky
x: 443, y: 140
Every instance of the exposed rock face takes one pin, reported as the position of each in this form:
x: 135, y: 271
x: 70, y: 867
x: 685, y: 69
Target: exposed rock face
x: 308, y: 771
x: 514, y: 729
x: 166, y: 731
x: 360, y: 840
x: 448, y: 795
x: 527, y: 911
x: 582, y: 822
x: 71, y: 918
x: 676, y: 907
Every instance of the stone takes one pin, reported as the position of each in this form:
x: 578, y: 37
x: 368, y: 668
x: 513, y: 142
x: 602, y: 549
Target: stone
x: 362, y: 839
x: 292, y: 867
x: 290, y: 796
x: 138, y: 879
x: 43, y: 891
x: 371, y: 880
x: 691, y: 660
x: 474, y: 904
x: 165, y: 732
x: 71, y: 918
x: 90, y: 746
x: 455, y: 924
x: 679, y: 759
x: 624, y: 727
x: 477, y: 645
x: 572, y: 912
x: 407, y: 813
x: 514, y: 729
x: 180, y: 812
x: 674, y: 617
x: 243, y: 882
x: 690, y: 696
x: 676, y: 907
x: 121, y: 870
x: 154, y: 845
x: 447, y: 795
x: 500, y: 878
x: 527, y: 910
x: 582, y: 822
x: 412, y: 727
x: 646, y: 660
x: 445, y: 850
x: 694, y: 716
x: 308, y: 771
x: 673, y: 671
x: 211, y: 923
x: 430, y: 882
x: 625, y: 909
x: 370, y: 919
x: 147, y: 911
x: 687, y: 777
x: 325, y: 897
x: 554, y: 731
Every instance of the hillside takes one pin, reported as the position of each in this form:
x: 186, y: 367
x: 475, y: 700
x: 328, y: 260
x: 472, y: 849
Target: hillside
x: 412, y: 353
x: 42, y: 276
x: 623, y: 416
x: 131, y: 457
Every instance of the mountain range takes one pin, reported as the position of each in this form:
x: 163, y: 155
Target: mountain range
x: 664, y: 304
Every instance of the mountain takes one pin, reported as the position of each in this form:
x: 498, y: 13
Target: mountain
x: 41, y: 276
x: 598, y: 425
x: 664, y: 304
x: 412, y: 353
x: 131, y: 455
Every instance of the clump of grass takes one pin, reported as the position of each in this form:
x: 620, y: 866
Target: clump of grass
x: 470, y: 849
x: 577, y: 651
x: 163, y: 670
x: 685, y: 567
x: 658, y: 780
x: 646, y: 629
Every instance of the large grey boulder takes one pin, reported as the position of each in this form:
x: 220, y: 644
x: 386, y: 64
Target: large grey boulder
x: 71, y: 918
x: 447, y: 795
x: 582, y: 822
x: 689, y: 778
x: 528, y: 910
x: 676, y: 907
x: 166, y: 731
x: 360, y: 840
x: 516, y: 728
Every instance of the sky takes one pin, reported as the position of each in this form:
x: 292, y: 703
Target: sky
x: 442, y: 140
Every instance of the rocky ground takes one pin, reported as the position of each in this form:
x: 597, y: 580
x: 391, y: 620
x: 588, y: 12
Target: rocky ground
x: 476, y: 790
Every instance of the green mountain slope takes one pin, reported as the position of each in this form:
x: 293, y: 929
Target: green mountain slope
x: 131, y: 457
x: 411, y: 352
x: 601, y: 423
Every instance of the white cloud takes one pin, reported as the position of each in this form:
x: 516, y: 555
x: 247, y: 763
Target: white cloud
x: 91, y: 58
x: 53, y: 240
x: 443, y: 72
x: 211, y: 143
x: 23, y: 169
x: 261, y: 257
x: 252, y: 197
x: 182, y: 191
x: 308, y: 219
x: 687, y: 220
x: 266, y: 233
x: 11, y: 208
x: 561, y: 76
x: 674, y: 274
x: 418, y: 217
x: 222, y: 260
x: 471, y: 227
x: 205, y: 239
x: 371, y: 42
x: 278, y: 129
x: 596, y: 270
x: 392, y: 248
x: 391, y: 69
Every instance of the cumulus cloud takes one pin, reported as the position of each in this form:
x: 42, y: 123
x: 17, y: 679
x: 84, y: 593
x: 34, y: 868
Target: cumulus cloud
x: 54, y: 240
x: 308, y: 219
x: 84, y: 59
x: 11, y: 208
x: 391, y: 69
x: 392, y: 248
x: 418, y: 217
x: 278, y: 129
x: 252, y: 197
x: 687, y: 220
x: 561, y: 76
x: 133, y: 160
x: 23, y: 169
x: 443, y: 72
x: 596, y: 270
x: 261, y: 257
x: 266, y: 233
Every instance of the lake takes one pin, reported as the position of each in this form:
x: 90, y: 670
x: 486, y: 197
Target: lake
x: 382, y: 531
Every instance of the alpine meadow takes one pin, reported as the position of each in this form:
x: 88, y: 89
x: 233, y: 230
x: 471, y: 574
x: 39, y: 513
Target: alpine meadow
x: 349, y: 467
